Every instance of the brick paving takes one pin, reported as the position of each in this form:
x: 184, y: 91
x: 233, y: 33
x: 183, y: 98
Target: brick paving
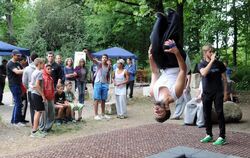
x: 142, y: 141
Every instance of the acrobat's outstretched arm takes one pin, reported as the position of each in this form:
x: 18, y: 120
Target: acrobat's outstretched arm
x: 181, y: 78
x: 155, y: 70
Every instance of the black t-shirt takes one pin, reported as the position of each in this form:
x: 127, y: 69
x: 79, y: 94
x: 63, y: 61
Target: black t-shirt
x: 213, y: 81
x: 56, y: 73
x: 60, y: 98
x: 14, y: 78
x: 2, y: 73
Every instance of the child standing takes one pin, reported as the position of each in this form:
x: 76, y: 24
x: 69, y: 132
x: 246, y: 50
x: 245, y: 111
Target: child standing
x: 61, y: 105
x: 121, y: 78
x: 70, y: 97
x: 37, y: 96
x: 48, y: 117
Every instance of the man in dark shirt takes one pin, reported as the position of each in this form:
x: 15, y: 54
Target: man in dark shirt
x: 2, y: 79
x: 14, y: 73
x: 213, y: 71
x: 56, y: 73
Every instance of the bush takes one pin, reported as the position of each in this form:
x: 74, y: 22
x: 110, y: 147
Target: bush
x: 242, y: 78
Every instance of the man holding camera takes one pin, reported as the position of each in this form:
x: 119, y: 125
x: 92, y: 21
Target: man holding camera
x: 213, y: 72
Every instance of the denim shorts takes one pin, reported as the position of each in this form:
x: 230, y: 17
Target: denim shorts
x: 101, y: 91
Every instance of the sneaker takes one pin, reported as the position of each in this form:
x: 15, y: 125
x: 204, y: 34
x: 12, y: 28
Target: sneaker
x: 20, y: 124
x: 74, y: 121
x: 37, y: 134
x: 45, y: 133
x: 1, y: 103
x: 105, y: 117
x: 220, y: 141
x: 25, y: 121
x: 122, y: 117
x: 207, y: 139
x: 80, y: 106
x: 97, y: 117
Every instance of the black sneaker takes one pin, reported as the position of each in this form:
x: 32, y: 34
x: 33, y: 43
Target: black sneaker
x: 1, y: 103
x: 25, y: 121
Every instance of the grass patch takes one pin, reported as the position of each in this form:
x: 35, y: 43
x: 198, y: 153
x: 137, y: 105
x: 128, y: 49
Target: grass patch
x: 66, y: 128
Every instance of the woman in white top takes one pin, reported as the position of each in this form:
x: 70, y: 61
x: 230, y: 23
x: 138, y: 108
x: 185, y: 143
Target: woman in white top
x: 168, y: 85
x: 120, y: 80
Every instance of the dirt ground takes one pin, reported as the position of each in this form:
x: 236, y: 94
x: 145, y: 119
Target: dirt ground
x: 15, y: 140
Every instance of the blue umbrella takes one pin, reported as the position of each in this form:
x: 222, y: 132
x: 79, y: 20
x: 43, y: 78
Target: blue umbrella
x: 115, y: 52
x: 6, y: 49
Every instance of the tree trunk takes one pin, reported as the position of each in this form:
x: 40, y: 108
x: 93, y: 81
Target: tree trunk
x: 180, y: 12
x: 235, y: 35
x: 9, y: 21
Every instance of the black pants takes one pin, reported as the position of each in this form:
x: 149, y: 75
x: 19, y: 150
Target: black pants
x: 208, y: 99
x: 32, y: 111
x: 24, y: 106
x: 130, y: 84
x: 2, y: 84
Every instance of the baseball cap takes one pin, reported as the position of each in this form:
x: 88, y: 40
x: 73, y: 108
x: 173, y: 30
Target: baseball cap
x: 121, y: 61
x: 16, y: 52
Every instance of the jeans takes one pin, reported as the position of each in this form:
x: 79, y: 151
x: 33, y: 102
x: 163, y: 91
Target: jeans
x: 48, y: 117
x: 208, y: 99
x: 17, y: 110
x: 81, y: 90
x: 2, y: 84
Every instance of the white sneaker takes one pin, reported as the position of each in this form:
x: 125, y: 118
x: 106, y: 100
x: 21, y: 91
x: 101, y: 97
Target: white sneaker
x: 97, y: 117
x: 19, y: 124
x: 105, y: 117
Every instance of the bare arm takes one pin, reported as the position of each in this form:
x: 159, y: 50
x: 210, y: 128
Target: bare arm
x: 39, y: 89
x: 155, y: 71
x: 205, y: 71
x: 90, y: 56
x: 181, y: 78
x: 224, y: 78
x: 18, y: 72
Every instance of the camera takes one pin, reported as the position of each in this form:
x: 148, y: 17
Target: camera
x: 217, y: 56
x: 172, y: 45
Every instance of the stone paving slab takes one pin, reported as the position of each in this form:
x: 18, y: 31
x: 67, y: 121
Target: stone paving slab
x: 142, y: 141
x: 185, y: 152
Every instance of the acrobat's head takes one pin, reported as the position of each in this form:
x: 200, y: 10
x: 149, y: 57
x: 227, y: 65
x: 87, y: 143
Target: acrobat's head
x: 161, y: 111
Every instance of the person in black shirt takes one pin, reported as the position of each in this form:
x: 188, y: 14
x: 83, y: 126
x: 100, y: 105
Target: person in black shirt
x: 14, y: 73
x: 213, y: 71
x: 56, y: 74
x: 61, y: 105
x: 2, y: 79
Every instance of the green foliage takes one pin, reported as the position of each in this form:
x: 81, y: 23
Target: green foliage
x: 70, y: 25
x: 242, y: 78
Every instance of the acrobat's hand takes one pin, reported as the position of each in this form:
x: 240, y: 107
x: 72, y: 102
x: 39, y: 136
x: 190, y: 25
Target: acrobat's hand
x: 170, y: 47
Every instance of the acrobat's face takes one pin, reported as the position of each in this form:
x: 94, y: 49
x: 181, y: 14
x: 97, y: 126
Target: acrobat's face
x: 159, y: 111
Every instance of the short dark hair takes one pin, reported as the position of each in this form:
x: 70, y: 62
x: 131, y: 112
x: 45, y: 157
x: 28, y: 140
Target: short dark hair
x: 50, y: 52
x: 166, y: 117
x: 4, y: 60
x: 105, y: 55
x: 130, y: 59
x: 48, y: 65
x: 33, y: 56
